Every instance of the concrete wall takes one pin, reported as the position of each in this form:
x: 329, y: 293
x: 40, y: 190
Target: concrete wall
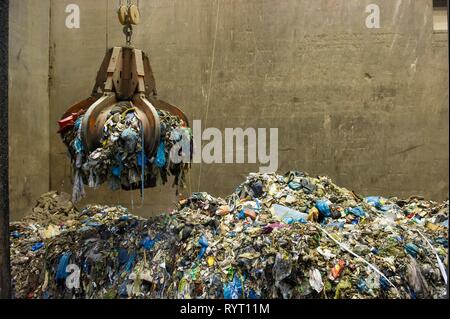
x: 368, y: 107
x: 28, y: 103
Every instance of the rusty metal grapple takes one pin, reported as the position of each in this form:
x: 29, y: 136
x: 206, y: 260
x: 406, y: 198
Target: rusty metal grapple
x: 124, y: 75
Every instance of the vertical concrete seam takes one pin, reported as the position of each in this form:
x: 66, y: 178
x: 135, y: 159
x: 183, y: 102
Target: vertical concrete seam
x: 49, y: 86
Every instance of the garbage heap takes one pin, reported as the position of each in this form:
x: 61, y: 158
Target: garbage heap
x: 120, y: 160
x: 290, y: 236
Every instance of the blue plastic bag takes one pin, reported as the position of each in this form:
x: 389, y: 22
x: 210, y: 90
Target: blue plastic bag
x: 233, y: 290
x: 37, y: 246
x: 376, y: 201
x: 286, y: 214
x: 148, y: 243
x: 357, y: 211
x: 61, y: 273
x: 160, y: 160
x: 204, y: 244
x: 116, y: 171
x: 323, y: 208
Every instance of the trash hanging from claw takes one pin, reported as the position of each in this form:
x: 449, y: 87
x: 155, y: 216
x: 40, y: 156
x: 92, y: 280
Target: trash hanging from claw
x: 120, y: 160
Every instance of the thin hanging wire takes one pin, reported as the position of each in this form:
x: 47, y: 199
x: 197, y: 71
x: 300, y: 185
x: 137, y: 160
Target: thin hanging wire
x: 107, y: 25
x: 208, y: 96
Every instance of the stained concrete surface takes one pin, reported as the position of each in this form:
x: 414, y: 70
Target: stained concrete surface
x: 29, y: 140
x: 368, y: 107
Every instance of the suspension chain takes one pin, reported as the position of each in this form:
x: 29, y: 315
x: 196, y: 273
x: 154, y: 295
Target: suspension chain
x: 128, y: 15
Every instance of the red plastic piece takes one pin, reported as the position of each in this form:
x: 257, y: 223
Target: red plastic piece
x: 69, y: 121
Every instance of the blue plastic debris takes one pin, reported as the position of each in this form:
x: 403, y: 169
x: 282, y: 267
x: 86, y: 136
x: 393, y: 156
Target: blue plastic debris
x: 78, y: 145
x: 203, y: 242
x: 294, y: 185
x: 123, y: 256
x: 139, y: 160
x: 61, y: 273
x: 86, y: 267
x: 124, y: 218
x: 258, y: 205
x: 412, y: 249
x: 37, y: 246
x: 442, y: 241
x: 77, y: 123
x: 253, y: 295
x: 290, y: 220
x: 233, y: 290
x: 362, y: 285
x: 130, y: 136
x: 417, y: 219
x: 16, y: 234
x: 123, y: 292
x: 384, y: 284
x: 91, y: 223
x: 412, y: 293
x: 160, y: 160
x: 285, y: 213
x: 323, y: 208
x: 374, y: 201
x: 241, y: 214
x: 148, y: 243
x: 357, y: 211
x: 130, y: 262
x: 116, y: 171
x: 377, y: 202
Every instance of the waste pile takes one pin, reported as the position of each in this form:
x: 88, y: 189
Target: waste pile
x: 275, y: 236
x: 121, y: 160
